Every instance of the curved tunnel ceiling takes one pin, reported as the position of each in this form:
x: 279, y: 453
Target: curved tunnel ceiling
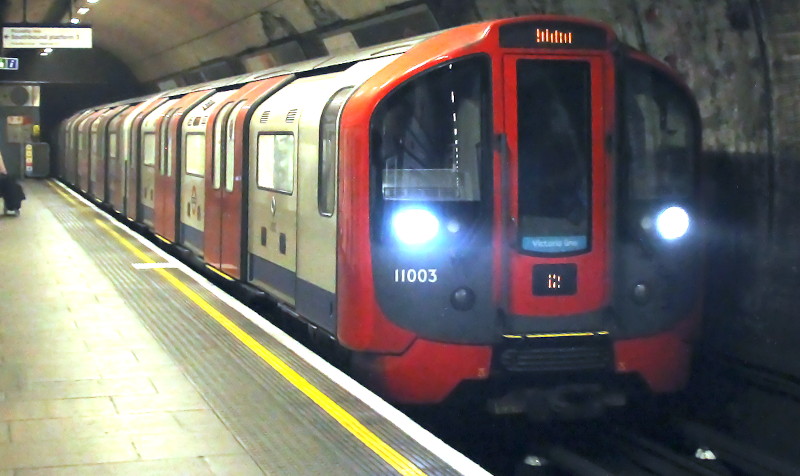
x: 156, y: 38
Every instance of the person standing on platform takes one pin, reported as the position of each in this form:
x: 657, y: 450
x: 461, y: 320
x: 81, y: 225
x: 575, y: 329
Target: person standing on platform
x: 3, y: 170
x: 10, y: 190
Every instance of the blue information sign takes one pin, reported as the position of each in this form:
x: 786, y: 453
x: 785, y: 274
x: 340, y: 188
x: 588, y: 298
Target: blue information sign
x: 9, y: 63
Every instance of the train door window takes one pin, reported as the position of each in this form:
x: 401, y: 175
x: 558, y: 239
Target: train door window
x: 125, y: 144
x: 328, y: 146
x: 554, y: 121
x: 220, y: 128
x: 170, y: 151
x: 660, y: 136
x: 162, y: 160
x: 81, y: 142
x: 149, y: 149
x: 195, y: 153
x: 94, y: 152
x: 112, y: 145
x: 276, y: 162
x: 230, y: 147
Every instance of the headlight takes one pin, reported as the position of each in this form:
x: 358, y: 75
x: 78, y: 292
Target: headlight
x: 672, y: 223
x: 415, y: 226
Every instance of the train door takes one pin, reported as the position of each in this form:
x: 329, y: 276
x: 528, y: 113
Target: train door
x: 167, y: 184
x: 193, y: 171
x: 85, y: 146
x: 116, y: 164
x: 101, y: 153
x: 273, y: 198
x: 149, y: 153
x: 224, y: 184
x: 133, y: 147
x: 73, y: 135
x: 557, y: 128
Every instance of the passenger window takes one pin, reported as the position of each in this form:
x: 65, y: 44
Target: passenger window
x: 149, y: 149
x: 276, y: 162
x: 328, y: 147
x: 195, y: 151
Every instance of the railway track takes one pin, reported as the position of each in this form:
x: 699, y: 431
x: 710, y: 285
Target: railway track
x: 681, y: 448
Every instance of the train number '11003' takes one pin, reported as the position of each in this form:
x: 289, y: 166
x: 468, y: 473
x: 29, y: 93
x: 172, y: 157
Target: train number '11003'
x: 415, y: 275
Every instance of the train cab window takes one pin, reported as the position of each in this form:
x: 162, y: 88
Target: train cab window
x: 660, y: 133
x: 149, y: 149
x: 426, y: 136
x: 554, y: 121
x: 195, y: 154
x: 328, y: 146
x: 276, y: 162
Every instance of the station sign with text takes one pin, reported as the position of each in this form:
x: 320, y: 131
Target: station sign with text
x: 47, y: 37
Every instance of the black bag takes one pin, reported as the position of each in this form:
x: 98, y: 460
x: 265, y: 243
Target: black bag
x: 12, y: 192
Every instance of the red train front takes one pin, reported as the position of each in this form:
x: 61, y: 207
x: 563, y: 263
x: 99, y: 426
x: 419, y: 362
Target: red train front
x: 518, y: 203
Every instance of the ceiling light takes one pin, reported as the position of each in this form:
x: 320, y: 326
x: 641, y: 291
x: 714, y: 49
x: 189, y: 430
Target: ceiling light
x: 48, y: 50
x: 43, y: 53
x: 83, y: 11
x: 75, y: 21
x: 93, y: 1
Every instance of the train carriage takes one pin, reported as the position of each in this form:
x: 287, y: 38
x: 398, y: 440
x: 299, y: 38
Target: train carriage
x: 514, y: 201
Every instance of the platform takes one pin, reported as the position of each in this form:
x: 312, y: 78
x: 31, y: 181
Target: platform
x: 116, y: 359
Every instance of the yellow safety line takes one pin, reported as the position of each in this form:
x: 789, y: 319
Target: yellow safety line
x: 61, y: 192
x: 224, y: 275
x: 563, y: 334
x: 350, y: 423
x: 162, y: 239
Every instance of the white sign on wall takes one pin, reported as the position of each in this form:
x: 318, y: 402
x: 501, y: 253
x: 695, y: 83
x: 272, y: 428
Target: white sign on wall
x: 47, y: 37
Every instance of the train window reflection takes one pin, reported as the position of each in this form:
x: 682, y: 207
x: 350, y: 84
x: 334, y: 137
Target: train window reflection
x: 276, y: 162
x: 427, y: 135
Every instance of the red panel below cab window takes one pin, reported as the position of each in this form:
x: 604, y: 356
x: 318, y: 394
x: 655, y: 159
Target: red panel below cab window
x: 427, y: 373
x: 661, y: 360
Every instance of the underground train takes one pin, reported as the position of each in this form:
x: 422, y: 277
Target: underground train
x: 509, y: 207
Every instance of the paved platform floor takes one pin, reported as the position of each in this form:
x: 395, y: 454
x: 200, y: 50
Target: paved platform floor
x: 108, y: 369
